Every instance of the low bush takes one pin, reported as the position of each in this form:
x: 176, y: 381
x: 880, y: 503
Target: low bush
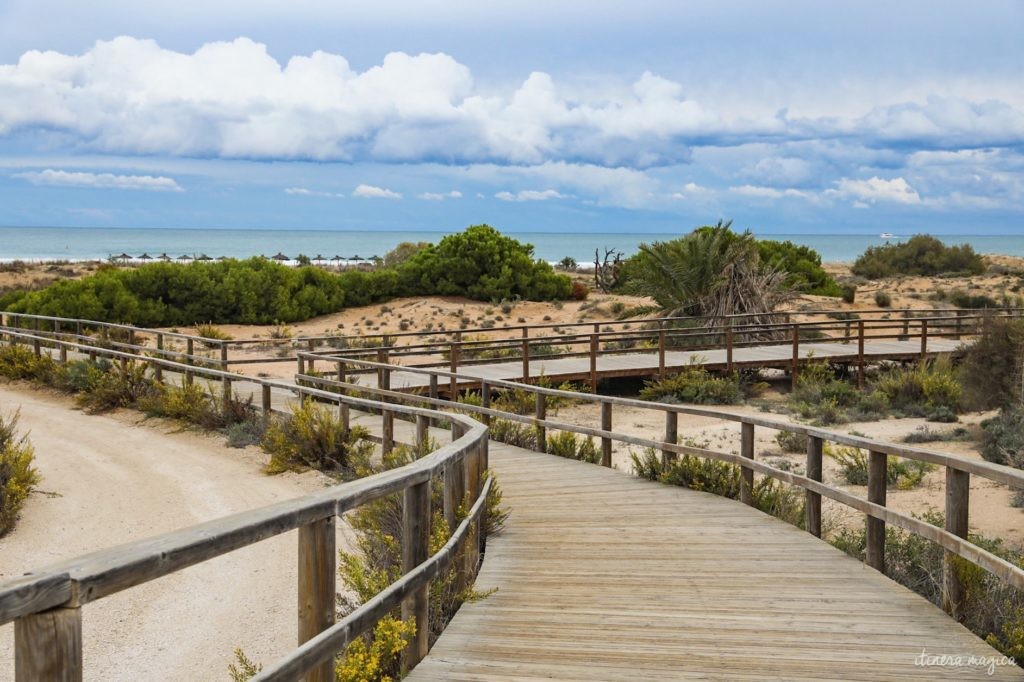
x: 569, y: 445
x: 919, y: 255
x: 311, y: 437
x: 1002, y: 439
x: 904, y: 474
x: 19, y: 362
x: 514, y: 433
x: 926, y: 388
x: 792, y: 442
x: 823, y: 398
x: 17, y: 475
x: 924, y: 434
x: 579, y: 291
x: 883, y: 299
x: 720, y: 478
x: 961, y: 299
x: 695, y: 384
x: 120, y: 386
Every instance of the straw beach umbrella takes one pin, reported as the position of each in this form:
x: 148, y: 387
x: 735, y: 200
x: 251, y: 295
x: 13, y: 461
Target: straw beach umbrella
x: 145, y: 256
x: 164, y: 257
x: 280, y: 257
x: 204, y: 257
x: 184, y: 256
x: 318, y: 259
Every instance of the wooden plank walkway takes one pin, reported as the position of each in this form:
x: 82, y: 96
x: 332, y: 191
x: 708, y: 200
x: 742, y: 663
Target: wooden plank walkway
x: 647, y: 364
x: 603, y: 576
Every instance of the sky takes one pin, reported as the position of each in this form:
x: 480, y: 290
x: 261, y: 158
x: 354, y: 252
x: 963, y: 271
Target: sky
x: 650, y: 116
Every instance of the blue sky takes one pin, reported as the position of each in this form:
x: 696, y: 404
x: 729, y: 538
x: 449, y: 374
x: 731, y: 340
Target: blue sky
x: 550, y: 116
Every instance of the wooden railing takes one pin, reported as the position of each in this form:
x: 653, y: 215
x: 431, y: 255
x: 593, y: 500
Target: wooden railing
x: 953, y: 538
x: 525, y: 343
x: 45, y: 604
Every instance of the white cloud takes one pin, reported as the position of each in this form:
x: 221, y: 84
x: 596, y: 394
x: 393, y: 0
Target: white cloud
x: 61, y: 178
x: 876, y: 189
x: 437, y: 196
x: 372, y: 192
x: 762, y: 192
x: 530, y: 195
x: 304, y: 192
x: 234, y: 100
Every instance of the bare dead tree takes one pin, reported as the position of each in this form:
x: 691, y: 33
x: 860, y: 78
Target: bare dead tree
x: 607, y: 269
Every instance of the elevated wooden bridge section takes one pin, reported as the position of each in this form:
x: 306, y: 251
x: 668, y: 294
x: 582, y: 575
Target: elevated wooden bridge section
x: 599, y: 575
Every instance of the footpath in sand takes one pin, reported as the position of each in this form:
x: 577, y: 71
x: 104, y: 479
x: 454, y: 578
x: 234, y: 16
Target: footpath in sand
x: 110, y: 479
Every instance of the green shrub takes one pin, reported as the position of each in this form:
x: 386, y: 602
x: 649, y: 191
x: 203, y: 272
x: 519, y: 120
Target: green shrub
x: 823, y: 398
x: 569, y: 445
x: 311, y: 437
x: 720, y: 478
x: 923, y: 434
x: 791, y: 441
x: 961, y: 299
x: 1002, y: 439
x: 802, y: 266
x: 695, y: 384
x: 210, y: 331
x: 922, y: 389
x: 514, y: 433
x: 919, y: 255
x: 883, y: 299
x: 17, y: 475
x: 991, y: 369
x: 20, y: 362
x: 849, y: 293
x: 905, y: 474
x: 483, y: 264
x: 120, y: 386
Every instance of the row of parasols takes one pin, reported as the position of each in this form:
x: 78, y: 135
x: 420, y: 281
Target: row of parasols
x: 278, y: 257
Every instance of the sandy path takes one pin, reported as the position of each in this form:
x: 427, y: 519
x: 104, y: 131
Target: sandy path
x: 115, y: 480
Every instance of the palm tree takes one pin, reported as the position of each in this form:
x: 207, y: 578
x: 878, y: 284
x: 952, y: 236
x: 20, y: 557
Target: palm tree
x: 711, y: 272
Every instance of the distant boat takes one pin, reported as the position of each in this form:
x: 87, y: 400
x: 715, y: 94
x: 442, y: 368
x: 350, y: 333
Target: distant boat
x: 887, y: 235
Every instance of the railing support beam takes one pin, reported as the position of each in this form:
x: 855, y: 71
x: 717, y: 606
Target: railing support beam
x: 48, y: 646
x: 317, y: 591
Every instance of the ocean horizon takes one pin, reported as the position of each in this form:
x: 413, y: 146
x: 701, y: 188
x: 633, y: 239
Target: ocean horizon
x: 90, y: 243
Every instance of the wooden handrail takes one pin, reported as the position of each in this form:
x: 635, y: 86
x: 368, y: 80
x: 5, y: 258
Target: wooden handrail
x: 46, y: 604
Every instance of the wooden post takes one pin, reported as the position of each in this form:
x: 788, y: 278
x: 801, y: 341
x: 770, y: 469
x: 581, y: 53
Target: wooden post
x: 189, y: 349
x: 48, y: 646
x: 958, y: 490
x: 36, y: 347
x: 541, y: 413
x: 593, y: 363
x: 796, y: 354
x: 224, y: 355
x: 485, y: 401
x: 526, y: 353
x: 860, y: 354
x: 747, y: 475
x: 728, y: 346
x: 606, y: 442
x: 846, y: 333
x: 877, y: 466
x: 387, y: 416
x: 317, y: 591
x: 813, y: 504
x: 63, y: 352
x: 671, y: 436
x: 472, y: 542
x: 300, y: 363
x: 265, y: 402
x: 661, y: 349
x: 422, y: 432
x: 924, y: 339
x: 433, y: 387
x: 158, y: 368
x: 225, y: 389
x: 454, y: 483
x: 906, y: 323
x: 453, y: 367
x: 416, y: 550
x: 959, y: 324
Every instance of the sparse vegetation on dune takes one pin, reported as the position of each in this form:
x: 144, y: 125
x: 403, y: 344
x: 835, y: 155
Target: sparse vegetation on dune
x: 919, y: 255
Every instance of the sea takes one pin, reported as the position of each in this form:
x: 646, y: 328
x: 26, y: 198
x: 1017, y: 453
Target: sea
x: 80, y: 243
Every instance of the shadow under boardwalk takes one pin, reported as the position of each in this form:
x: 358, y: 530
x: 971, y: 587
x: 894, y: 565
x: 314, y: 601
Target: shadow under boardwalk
x: 602, y: 576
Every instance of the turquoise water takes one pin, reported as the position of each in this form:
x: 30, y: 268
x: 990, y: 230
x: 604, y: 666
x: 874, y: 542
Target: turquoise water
x: 49, y: 243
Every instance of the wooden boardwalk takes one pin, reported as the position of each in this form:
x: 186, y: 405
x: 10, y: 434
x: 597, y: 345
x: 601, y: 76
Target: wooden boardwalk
x: 647, y: 364
x: 603, y: 576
